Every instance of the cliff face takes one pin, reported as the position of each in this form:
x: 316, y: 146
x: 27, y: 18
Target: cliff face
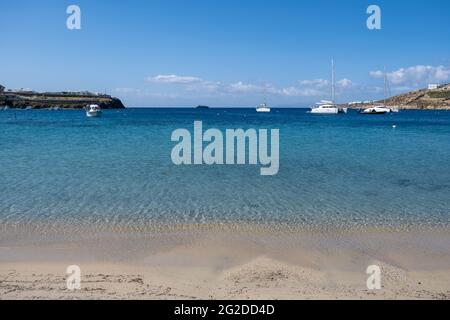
x: 63, y: 100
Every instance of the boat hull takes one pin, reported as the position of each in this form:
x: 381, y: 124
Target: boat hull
x: 324, y: 111
x: 376, y: 110
x: 93, y: 114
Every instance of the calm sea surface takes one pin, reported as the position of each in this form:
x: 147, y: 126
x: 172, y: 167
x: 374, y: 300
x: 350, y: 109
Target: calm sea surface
x: 59, y: 167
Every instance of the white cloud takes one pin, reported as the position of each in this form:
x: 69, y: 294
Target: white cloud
x: 416, y: 76
x: 376, y: 74
x: 316, y: 83
x: 174, y: 79
x: 312, y: 88
x: 127, y: 90
x: 300, y: 92
x: 205, y: 86
x: 345, y: 83
x: 241, y: 87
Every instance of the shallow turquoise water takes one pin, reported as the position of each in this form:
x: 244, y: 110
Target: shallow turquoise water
x: 58, y: 167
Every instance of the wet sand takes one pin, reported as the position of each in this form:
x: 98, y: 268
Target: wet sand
x: 227, y: 262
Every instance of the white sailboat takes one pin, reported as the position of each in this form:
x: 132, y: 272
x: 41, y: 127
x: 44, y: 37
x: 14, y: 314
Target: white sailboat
x: 380, y: 109
x: 263, y: 107
x: 328, y: 107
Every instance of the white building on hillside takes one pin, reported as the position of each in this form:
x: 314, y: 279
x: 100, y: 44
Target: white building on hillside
x: 433, y: 86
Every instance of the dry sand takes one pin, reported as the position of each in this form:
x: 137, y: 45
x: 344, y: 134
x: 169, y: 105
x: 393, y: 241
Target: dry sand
x: 233, y: 263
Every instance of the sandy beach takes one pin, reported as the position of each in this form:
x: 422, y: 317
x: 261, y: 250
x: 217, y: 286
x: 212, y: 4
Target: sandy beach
x: 229, y: 262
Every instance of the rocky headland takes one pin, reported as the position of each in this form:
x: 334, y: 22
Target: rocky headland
x: 423, y: 99
x: 22, y: 99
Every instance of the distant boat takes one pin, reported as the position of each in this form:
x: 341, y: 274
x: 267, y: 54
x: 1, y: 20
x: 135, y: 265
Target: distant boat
x: 202, y: 107
x: 328, y: 107
x: 376, y: 110
x: 262, y: 108
x: 6, y: 108
x: 381, y: 109
x: 93, y: 111
x: 28, y: 108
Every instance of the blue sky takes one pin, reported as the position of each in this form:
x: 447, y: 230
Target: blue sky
x: 223, y: 52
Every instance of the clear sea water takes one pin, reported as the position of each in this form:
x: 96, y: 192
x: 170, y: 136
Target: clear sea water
x: 59, y: 167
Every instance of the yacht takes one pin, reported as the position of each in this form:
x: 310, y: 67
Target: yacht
x: 328, y: 107
x: 262, y: 108
x: 376, y: 110
x: 381, y: 109
x: 325, y: 107
x: 93, y: 111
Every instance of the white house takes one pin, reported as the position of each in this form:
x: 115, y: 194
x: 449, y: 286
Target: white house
x: 433, y: 86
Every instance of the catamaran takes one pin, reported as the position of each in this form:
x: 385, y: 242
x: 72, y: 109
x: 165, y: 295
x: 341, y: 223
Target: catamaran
x: 325, y: 106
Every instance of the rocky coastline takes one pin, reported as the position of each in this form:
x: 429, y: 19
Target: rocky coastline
x: 423, y: 99
x: 23, y: 99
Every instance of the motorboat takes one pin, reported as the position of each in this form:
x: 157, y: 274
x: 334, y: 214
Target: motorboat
x: 93, y: 111
x: 381, y: 109
x: 376, y: 110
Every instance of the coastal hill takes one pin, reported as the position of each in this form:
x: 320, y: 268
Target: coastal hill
x: 22, y: 99
x: 423, y: 99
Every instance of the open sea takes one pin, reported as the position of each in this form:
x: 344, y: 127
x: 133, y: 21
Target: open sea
x: 62, y: 168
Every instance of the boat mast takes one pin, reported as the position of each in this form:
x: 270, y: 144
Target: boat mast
x: 265, y: 93
x: 332, y: 82
x: 385, y: 86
